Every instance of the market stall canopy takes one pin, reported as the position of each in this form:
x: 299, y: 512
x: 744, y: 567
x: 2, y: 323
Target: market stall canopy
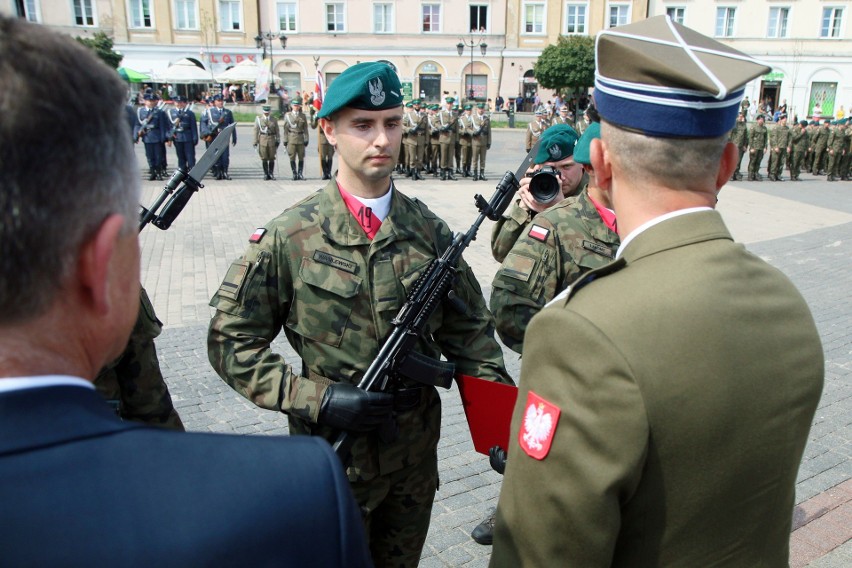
x: 185, y: 71
x: 245, y: 71
x: 132, y: 76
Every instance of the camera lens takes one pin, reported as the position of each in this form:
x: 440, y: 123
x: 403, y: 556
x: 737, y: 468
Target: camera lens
x: 545, y: 185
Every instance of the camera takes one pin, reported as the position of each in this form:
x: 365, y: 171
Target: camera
x: 545, y: 184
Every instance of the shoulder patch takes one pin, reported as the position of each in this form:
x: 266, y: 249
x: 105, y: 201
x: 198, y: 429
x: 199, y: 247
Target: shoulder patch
x: 598, y: 248
x: 257, y: 235
x: 539, y: 233
x: 335, y: 261
x: 538, y: 427
x: 517, y: 266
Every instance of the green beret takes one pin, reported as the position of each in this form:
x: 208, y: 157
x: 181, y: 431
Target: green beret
x: 582, y: 149
x: 415, y: 102
x: 467, y: 107
x: 365, y: 86
x: 557, y: 143
x: 449, y: 100
x: 409, y: 104
x: 480, y: 105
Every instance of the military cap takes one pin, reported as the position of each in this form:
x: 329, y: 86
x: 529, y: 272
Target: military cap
x: 266, y: 108
x: 217, y: 97
x: 365, y: 86
x: 827, y: 121
x: 179, y: 99
x: 409, y: 104
x: 663, y: 79
x: 467, y: 107
x: 296, y: 102
x: 557, y: 143
x: 480, y: 105
x: 782, y: 115
x: 538, y: 112
x: 415, y: 102
x: 814, y: 123
x: 760, y: 117
x: 582, y: 151
x: 449, y: 100
x: 803, y: 123
x: 148, y: 97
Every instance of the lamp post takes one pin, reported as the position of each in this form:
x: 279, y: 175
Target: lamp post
x: 261, y: 40
x: 471, y: 43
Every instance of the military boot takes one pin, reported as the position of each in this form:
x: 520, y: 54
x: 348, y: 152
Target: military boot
x: 265, y: 170
x: 271, y: 169
x: 151, y: 175
x: 484, y: 531
x: 301, y: 167
x: 225, y: 174
x: 482, y: 175
x: 475, y: 174
x: 293, y: 167
x: 450, y: 175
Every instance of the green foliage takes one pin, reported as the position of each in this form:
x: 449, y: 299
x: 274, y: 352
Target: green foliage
x: 102, y: 44
x: 568, y: 65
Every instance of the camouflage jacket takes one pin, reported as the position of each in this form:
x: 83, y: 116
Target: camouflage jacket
x: 507, y: 230
x: 780, y: 137
x: 757, y: 137
x: 561, y: 244
x: 739, y: 134
x: 316, y: 275
x: 837, y: 139
x: 799, y: 140
x: 820, y: 138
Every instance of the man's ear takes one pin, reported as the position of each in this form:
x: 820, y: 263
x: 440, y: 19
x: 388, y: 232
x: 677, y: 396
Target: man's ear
x: 727, y: 165
x: 93, y: 265
x: 601, y: 163
x: 328, y: 128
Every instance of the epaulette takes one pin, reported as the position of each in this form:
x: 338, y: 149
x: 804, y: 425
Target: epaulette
x: 587, y: 279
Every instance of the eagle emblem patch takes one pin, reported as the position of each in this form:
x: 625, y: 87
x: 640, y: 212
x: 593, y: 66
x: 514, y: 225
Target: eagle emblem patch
x: 540, y: 418
x: 377, y: 95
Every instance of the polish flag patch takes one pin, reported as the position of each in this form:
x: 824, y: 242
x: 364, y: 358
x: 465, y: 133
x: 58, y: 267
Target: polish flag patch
x: 257, y: 235
x: 539, y: 233
x: 540, y: 419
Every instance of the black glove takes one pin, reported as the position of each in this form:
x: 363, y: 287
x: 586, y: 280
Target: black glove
x: 497, y: 457
x: 346, y: 407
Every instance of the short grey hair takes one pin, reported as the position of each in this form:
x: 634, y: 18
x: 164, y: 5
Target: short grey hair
x: 677, y: 162
x: 66, y: 161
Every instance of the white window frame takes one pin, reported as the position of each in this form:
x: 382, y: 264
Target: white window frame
x: 230, y: 21
x: 278, y: 10
x: 625, y: 7
x: 730, y: 13
x: 32, y: 11
x: 93, y: 9
x: 682, y: 20
x: 342, y: 23
x: 543, y: 24
x: 131, y: 15
x: 829, y: 12
x: 388, y: 17
x: 585, y: 7
x: 487, y: 16
x: 779, y: 29
x: 192, y: 5
x: 433, y: 24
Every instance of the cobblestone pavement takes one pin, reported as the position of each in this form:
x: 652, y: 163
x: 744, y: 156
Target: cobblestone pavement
x: 804, y: 229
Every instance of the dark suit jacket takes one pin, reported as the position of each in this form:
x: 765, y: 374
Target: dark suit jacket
x: 687, y: 374
x: 80, y: 488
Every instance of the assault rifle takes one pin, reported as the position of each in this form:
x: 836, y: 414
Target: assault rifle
x: 396, y: 358
x: 182, y: 185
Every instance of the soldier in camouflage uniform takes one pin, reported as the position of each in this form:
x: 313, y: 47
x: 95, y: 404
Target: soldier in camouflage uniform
x: 332, y: 271
x: 836, y: 145
x: 739, y: 137
x: 757, y: 139
x: 134, y: 381
x: 779, y: 146
x: 820, y: 143
x: 557, y: 150
x: 799, y: 145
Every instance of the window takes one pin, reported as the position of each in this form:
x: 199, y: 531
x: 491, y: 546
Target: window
x: 619, y: 15
x: 334, y: 18
x: 186, y: 15
x: 831, y: 20
x: 432, y: 18
x: 140, y: 14
x: 725, y: 21
x: 478, y: 18
x: 231, y: 15
x: 575, y: 19
x: 84, y: 12
x: 29, y: 10
x: 777, y: 22
x: 533, y: 17
x: 382, y: 18
x: 286, y: 16
x: 676, y: 14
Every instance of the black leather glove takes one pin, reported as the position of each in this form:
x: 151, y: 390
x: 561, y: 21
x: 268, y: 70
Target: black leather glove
x: 497, y: 457
x: 346, y: 407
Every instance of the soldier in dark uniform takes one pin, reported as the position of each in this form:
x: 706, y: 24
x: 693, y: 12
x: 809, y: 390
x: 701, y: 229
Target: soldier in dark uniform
x: 739, y: 137
x: 331, y: 272
x: 217, y: 119
x: 296, y: 138
x: 152, y: 127
x: 184, y: 132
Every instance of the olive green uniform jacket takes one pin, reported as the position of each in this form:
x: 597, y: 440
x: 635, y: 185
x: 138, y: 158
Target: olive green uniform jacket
x: 687, y: 390
x: 315, y: 275
x: 266, y: 136
x: 569, y: 239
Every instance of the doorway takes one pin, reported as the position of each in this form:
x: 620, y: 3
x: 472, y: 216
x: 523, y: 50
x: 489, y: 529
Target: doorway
x: 430, y: 86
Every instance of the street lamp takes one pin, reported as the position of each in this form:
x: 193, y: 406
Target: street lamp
x: 261, y: 40
x: 471, y: 43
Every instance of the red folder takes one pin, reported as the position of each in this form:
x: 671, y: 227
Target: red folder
x: 488, y: 407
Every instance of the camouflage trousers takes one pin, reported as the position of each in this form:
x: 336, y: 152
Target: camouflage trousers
x: 397, y: 509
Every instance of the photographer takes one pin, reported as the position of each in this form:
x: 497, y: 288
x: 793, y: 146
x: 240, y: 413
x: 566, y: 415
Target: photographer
x: 556, y: 153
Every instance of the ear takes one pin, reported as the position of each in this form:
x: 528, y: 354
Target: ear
x: 602, y: 164
x: 93, y: 264
x: 727, y: 165
x: 328, y: 128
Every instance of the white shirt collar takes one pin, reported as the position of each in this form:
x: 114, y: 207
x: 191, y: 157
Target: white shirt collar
x: 22, y: 383
x: 380, y: 206
x: 655, y: 221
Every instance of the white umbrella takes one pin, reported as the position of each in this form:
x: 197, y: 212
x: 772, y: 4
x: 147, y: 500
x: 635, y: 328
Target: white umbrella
x: 245, y: 71
x: 185, y: 71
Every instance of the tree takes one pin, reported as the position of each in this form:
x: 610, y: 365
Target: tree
x: 102, y: 44
x: 570, y: 64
